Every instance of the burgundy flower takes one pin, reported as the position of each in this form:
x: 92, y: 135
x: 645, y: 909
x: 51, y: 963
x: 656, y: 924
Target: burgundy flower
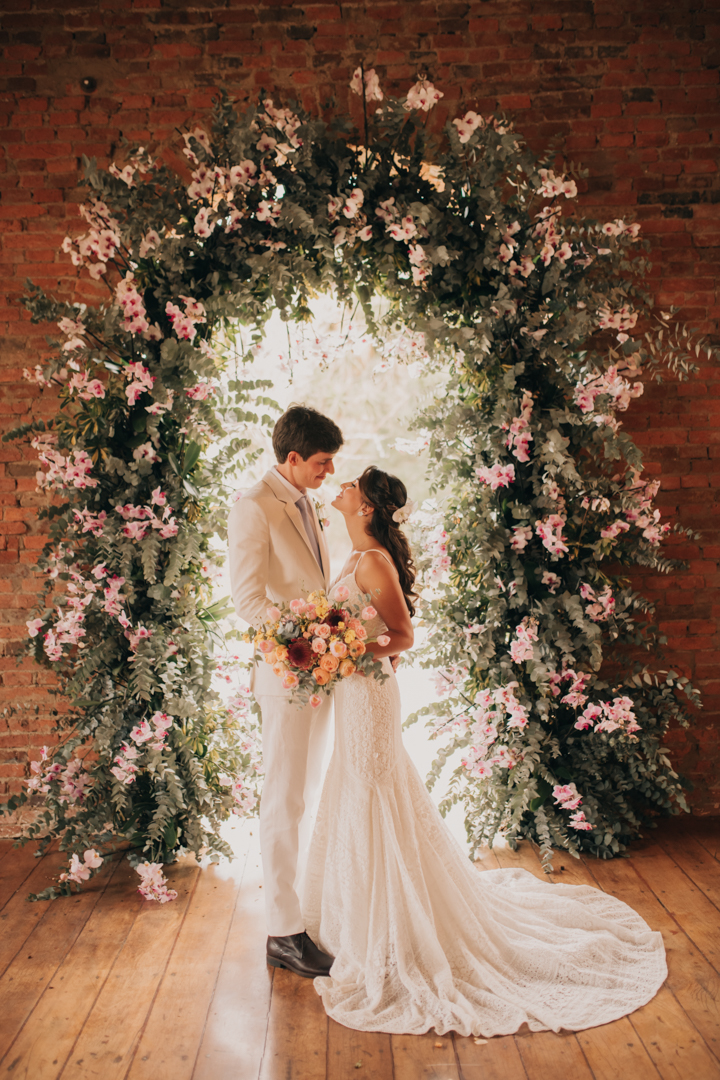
x: 300, y: 654
x: 335, y: 616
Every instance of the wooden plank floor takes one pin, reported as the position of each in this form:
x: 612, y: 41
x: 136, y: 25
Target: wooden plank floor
x: 107, y: 985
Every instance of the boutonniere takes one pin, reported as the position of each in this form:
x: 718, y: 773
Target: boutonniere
x: 323, y: 521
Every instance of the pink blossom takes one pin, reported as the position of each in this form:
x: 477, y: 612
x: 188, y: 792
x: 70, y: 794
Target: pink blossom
x: 201, y: 391
x: 274, y: 614
x: 154, y: 884
x: 289, y: 680
x: 567, y: 796
x: 341, y: 593
x: 497, y: 476
x: 34, y: 626
x: 268, y: 211
x: 611, y: 531
x: 578, y: 821
x: 522, y: 535
x: 81, y: 871
x: 372, y: 84
x: 368, y: 612
x: 202, y: 226
x: 315, y: 701
x: 243, y: 174
x: 550, y: 533
x: 467, y: 125
x: 383, y: 640
x: 422, y: 95
x: 551, y: 581
x: 142, y: 732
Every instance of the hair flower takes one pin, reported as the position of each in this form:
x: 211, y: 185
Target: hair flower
x: 404, y: 512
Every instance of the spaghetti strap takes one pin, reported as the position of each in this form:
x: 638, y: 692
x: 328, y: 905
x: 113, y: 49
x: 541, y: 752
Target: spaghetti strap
x: 379, y: 552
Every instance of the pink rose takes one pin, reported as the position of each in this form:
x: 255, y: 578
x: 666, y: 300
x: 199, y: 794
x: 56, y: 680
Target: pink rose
x: 315, y: 701
x: 339, y: 649
x: 361, y: 633
x: 266, y: 646
x: 323, y: 630
x: 290, y: 681
x: 318, y: 645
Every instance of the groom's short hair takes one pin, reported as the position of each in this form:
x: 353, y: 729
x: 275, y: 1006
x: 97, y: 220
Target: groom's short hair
x: 307, y: 432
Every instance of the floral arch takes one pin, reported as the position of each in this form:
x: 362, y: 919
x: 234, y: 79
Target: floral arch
x: 479, y: 253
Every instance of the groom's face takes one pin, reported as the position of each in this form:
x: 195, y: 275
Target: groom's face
x: 310, y: 472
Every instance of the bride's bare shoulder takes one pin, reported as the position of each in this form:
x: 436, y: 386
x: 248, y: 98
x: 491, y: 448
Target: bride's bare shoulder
x: 374, y: 568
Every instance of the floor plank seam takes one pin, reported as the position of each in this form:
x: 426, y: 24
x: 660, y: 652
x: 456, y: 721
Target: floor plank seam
x: 160, y: 981
x: 102, y: 986
x: 220, y: 962
x: 688, y: 876
x: 267, y: 1026
x: 640, y: 1039
x: 31, y: 871
x: 60, y: 962
x: 679, y: 925
x: 691, y: 1023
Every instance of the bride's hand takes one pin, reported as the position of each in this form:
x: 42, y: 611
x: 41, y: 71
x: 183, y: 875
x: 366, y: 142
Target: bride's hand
x: 395, y: 661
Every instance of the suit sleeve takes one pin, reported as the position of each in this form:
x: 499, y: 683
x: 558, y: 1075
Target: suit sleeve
x: 249, y: 557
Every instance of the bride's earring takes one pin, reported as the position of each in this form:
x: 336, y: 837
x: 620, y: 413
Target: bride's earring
x: 361, y: 513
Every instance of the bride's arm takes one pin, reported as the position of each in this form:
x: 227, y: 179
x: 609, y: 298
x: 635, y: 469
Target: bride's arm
x: 377, y: 577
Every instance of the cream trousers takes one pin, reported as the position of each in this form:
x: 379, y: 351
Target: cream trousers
x: 294, y: 741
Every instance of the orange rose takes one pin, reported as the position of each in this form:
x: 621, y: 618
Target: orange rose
x: 356, y: 648
x: 281, y: 652
x: 329, y: 663
x: 346, y: 668
x: 321, y: 676
x: 270, y: 657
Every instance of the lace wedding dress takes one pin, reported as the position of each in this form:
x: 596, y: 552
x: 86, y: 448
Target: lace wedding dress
x: 421, y: 938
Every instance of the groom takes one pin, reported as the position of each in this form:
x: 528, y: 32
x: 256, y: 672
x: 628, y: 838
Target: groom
x: 277, y: 553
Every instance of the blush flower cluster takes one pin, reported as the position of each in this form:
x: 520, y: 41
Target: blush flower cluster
x: 312, y: 643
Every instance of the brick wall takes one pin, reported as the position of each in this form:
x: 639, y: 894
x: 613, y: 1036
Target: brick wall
x: 630, y: 90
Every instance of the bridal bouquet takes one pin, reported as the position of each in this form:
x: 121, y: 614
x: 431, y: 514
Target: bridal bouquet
x: 312, y: 644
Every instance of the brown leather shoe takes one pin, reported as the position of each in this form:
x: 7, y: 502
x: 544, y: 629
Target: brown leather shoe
x: 298, y: 953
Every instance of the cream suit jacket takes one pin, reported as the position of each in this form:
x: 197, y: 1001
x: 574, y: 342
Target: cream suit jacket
x: 270, y: 560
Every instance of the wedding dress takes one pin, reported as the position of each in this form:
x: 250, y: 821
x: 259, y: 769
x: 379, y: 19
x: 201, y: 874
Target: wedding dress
x: 421, y: 938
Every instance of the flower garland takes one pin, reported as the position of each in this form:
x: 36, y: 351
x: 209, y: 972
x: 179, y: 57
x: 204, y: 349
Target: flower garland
x: 480, y: 265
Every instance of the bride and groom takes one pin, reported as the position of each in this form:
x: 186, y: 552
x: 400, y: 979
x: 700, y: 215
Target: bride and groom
x: 385, y: 911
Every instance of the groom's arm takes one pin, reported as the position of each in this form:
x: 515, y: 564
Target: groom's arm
x: 249, y: 557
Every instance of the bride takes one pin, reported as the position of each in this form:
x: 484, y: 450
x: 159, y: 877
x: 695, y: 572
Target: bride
x: 421, y: 938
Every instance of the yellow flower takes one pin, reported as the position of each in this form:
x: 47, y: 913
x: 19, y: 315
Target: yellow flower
x: 349, y: 636
x: 341, y: 626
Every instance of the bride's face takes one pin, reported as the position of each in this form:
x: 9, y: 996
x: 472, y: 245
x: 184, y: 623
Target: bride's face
x: 350, y: 499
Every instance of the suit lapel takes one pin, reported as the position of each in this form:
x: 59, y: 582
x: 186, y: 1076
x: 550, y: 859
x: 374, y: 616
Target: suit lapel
x: 295, y: 516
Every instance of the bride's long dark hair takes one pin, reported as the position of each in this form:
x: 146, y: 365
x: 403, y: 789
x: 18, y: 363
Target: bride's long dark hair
x: 386, y: 494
